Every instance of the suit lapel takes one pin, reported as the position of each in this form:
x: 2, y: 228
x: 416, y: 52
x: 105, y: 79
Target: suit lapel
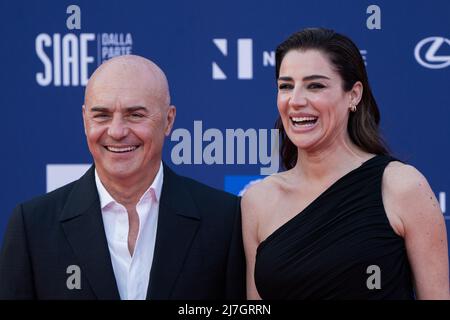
x: 83, y: 225
x: 178, y: 221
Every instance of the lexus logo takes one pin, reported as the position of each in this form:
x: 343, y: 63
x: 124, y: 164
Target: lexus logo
x: 426, y: 52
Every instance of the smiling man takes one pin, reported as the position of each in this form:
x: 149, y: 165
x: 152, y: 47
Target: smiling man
x: 130, y: 228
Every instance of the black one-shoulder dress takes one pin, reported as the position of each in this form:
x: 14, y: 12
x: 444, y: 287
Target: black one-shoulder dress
x: 341, y: 246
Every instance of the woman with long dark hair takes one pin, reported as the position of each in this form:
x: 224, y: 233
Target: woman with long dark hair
x: 345, y: 220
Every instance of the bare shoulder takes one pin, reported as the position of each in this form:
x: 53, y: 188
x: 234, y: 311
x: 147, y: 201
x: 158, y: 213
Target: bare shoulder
x: 262, y: 194
x: 259, y: 190
x: 407, y: 196
x: 404, y: 180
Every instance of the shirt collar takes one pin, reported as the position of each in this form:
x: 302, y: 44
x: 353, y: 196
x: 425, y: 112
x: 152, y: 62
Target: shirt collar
x: 154, y: 191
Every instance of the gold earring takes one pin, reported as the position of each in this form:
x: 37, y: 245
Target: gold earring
x: 353, y: 107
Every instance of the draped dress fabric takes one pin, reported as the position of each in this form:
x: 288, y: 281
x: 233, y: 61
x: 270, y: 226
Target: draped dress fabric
x: 327, y: 250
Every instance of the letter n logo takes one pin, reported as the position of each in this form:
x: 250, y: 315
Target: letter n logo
x: 244, y: 59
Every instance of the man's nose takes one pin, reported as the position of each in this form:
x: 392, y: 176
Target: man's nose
x: 118, y: 128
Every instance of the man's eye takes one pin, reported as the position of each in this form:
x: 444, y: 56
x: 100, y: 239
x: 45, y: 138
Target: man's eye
x: 284, y: 86
x: 137, y: 115
x: 100, y: 116
x: 315, y: 85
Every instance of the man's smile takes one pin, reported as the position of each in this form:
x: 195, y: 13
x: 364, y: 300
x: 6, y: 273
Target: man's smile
x: 121, y: 149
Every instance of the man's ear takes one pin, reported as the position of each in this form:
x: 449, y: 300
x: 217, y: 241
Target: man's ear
x: 171, y: 114
x: 83, y: 109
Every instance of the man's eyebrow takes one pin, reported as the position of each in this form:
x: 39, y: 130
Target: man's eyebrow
x: 129, y: 109
x: 99, y: 109
x: 136, y: 108
x: 307, y: 78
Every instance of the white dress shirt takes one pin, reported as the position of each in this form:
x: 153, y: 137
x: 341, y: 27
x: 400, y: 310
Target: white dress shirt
x: 132, y: 272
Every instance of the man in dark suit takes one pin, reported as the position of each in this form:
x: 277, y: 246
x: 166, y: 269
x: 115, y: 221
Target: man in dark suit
x: 130, y: 228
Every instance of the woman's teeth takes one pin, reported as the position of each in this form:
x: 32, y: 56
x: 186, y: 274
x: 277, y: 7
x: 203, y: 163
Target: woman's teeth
x: 304, y: 121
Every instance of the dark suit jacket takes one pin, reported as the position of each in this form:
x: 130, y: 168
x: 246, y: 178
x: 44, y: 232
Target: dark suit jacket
x: 198, y: 251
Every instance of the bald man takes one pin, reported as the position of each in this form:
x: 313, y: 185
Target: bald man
x: 130, y: 228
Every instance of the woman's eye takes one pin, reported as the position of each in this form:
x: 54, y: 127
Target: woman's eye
x: 284, y: 86
x: 315, y: 85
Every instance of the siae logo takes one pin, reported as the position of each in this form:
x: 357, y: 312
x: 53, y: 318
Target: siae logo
x: 427, y: 52
x: 66, y: 58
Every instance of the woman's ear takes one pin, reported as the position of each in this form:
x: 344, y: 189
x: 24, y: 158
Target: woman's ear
x: 356, y: 93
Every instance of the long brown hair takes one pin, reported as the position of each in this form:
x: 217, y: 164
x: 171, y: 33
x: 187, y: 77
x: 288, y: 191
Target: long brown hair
x: 347, y: 61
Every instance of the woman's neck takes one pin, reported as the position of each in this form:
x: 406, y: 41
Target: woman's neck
x: 329, y: 163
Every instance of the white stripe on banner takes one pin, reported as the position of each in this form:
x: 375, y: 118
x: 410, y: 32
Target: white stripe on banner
x: 245, y: 58
x: 62, y: 174
x: 442, y: 198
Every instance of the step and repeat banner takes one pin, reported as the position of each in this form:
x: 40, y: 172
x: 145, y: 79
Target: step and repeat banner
x: 219, y: 60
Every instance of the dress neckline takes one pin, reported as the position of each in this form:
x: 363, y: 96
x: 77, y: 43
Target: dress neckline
x: 320, y: 196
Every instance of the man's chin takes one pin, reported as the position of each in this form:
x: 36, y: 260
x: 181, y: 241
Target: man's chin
x: 119, y: 173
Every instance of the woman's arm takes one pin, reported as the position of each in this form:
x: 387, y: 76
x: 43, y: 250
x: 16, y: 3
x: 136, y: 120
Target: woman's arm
x: 249, y: 206
x: 409, y: 199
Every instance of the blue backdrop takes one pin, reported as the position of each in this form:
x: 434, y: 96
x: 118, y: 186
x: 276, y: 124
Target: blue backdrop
x: 218, y: 56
